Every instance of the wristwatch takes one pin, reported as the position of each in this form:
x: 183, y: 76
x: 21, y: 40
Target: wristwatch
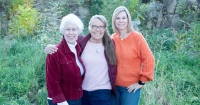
x: 141, y: 83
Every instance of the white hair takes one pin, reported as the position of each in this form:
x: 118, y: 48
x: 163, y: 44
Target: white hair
x: 72, y: 19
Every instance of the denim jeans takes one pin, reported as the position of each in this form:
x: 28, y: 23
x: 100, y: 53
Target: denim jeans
x: 70, y: 102
x: 123, y: 97
x: 97, y: 97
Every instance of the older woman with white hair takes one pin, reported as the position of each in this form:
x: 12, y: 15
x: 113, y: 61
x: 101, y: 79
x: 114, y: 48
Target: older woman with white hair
x: 64, y: 68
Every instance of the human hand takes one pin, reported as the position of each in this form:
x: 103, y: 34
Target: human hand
x: 134, y: 87
x: 50, y: 49
x: 63, y: 103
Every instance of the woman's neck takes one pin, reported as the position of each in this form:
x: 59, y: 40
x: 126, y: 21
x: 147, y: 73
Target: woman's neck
x: 123, y: 34
x: 92, y: 40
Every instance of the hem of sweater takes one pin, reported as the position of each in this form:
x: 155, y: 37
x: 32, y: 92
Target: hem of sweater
x: 96, y: 89
x: 143, y: 79
x: 49, y: 98
x: 126, y: 84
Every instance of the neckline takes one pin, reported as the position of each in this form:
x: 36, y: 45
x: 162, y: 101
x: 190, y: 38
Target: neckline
x: 125, y: 37
x: 94, y: 43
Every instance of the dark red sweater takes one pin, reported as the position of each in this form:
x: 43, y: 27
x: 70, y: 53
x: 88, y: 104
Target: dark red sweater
x: 63, y: 77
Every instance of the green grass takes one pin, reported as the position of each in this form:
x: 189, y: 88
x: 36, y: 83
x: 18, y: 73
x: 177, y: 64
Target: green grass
x: 22, y: 70
x: 176, y: 80
x: 22, y: 73
x: 176, y: 70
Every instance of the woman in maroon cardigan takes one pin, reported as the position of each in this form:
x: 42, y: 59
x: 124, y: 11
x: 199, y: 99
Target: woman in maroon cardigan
x: 64, y: 68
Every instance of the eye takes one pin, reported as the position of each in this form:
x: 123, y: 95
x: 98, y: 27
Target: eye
x: 73, y: 29
x: 117, y: 18
x: 67, y: 29
x: 101, y: 26
x: 94, y: 26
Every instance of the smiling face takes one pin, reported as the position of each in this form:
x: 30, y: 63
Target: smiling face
x: 121, y: 21
x: 97, y: 30
x: 71, y: 33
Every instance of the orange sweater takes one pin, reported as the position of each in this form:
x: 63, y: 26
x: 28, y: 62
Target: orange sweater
x: 135, y: 59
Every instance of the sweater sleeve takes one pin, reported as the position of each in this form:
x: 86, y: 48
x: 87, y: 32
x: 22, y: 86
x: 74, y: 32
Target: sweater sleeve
x: 147, y: 61
x: 53, y: 79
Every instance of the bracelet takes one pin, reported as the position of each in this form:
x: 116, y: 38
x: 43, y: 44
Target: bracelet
x: 141, y: 83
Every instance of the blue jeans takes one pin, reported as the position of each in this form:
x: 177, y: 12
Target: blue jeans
x: 70, y: 102
x: 123, y: 97
x: 97, y: 97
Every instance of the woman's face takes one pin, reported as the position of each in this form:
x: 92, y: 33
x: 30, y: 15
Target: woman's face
x: 121, y: 21
x: 71, y: 33
x: 97, y: 30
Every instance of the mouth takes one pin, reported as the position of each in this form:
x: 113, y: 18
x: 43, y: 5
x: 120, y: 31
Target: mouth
x: 97, y: 34
x: 121, y: 25
x: 71, y: 37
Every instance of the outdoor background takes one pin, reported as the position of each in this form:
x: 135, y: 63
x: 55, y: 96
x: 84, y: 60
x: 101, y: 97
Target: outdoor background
x: 27, y: 26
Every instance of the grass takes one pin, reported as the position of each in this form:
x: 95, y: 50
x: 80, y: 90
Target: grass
x: 22, y: 73
x: 176, y: 80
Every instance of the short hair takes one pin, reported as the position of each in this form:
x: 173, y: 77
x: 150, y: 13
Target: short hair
x: 72, y: 19
x: 116, y: 12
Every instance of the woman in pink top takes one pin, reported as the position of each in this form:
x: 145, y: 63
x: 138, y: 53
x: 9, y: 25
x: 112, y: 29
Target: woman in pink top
x: 135, y: 59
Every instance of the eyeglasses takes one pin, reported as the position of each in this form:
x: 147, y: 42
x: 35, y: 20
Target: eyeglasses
x: 73, y: 30
x: 101, y: 28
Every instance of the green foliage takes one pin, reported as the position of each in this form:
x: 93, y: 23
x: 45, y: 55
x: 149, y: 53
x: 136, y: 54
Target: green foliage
x: 42, y: 93
x: 133, y: 6
x: 189, y: 13
x: 189, y: 40
x: 1, y: 99
x: 162, y: 39
x: 176, y: 70
x: 25, y: 22
x: 107, y: 10
x: 20, y: 63
x: 16, y: 3
x: 96, y: 6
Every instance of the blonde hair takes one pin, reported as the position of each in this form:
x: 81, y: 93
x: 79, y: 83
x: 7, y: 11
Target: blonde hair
x: 115, y: 13
x: 72, y: 19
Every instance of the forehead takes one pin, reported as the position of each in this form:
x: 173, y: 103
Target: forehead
x: 122, y: 13
x: 70, y: 25
x: 97, y: 22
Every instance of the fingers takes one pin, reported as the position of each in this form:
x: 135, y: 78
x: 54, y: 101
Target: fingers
x: 131, y: 88
x: 50, y: 49
x: 134, y: 87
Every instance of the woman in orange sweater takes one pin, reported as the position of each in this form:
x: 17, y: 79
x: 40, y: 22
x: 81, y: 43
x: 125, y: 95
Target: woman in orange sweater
x: 135, y: 60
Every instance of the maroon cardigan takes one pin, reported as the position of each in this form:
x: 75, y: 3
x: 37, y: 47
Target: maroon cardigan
x: 112, y: 69
x: 63, y: 77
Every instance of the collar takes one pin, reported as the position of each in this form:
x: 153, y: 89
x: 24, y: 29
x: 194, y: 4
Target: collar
x: 84, y: 41
x: 65, y: 46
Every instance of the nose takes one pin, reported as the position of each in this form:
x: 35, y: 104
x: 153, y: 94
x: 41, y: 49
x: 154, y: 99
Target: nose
x: 71, y: 32
x: 98, y: 29
x: 120, y: 20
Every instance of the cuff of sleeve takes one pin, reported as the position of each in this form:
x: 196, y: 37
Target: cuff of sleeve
x: 63, y: 103
x: 143, y: 79
x: 58, y: 99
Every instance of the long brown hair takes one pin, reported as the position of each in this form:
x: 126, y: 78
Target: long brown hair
x: 106, y: 40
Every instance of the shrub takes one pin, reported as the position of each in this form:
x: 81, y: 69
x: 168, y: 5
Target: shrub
x: 16, y: 3
x: 25, y: 22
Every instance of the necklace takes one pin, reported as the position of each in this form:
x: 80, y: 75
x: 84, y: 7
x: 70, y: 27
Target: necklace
x: 98, y: 51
